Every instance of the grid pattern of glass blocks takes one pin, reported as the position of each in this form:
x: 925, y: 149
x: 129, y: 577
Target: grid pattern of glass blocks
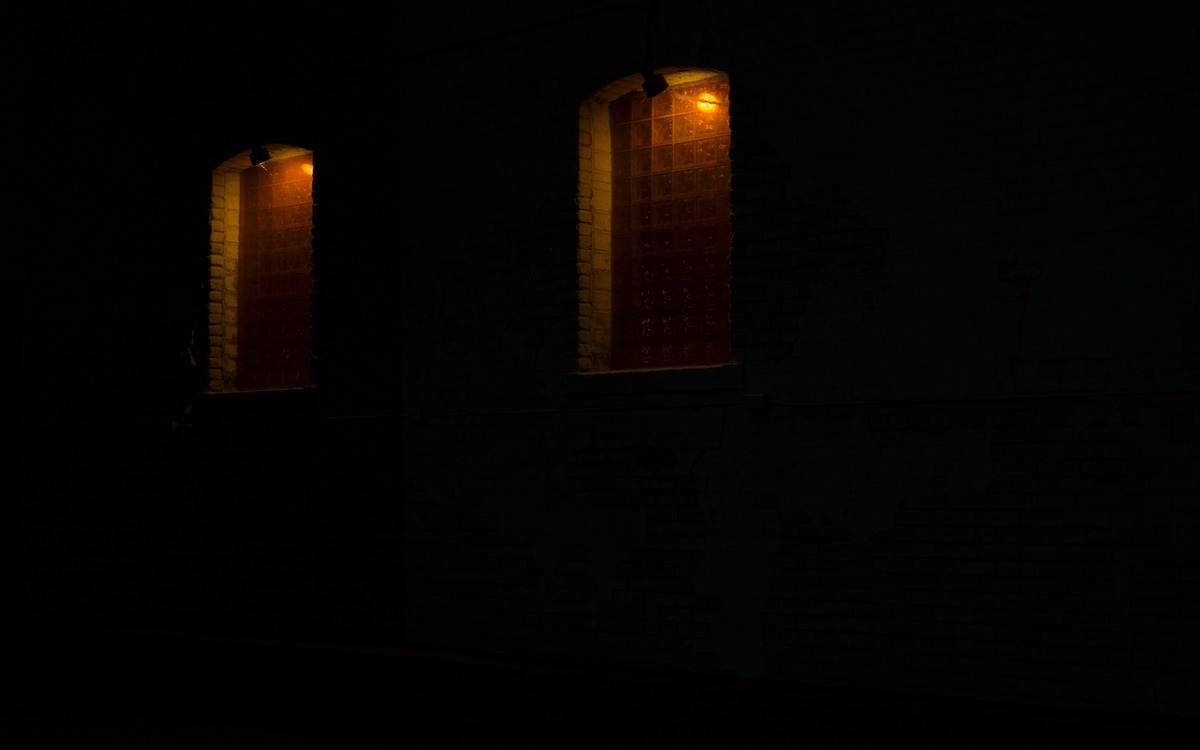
x: 670, y: 230
x: 275, y: 275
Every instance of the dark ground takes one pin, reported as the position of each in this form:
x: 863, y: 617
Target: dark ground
x: 108, y: 689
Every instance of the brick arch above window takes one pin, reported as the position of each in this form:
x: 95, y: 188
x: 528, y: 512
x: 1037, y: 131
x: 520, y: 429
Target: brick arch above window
x: 260, y: 272
x: 654, y: 224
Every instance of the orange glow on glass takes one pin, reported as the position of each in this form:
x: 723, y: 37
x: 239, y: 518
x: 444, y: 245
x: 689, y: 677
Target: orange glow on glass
x: 307, y: 169
x: 707, y: 103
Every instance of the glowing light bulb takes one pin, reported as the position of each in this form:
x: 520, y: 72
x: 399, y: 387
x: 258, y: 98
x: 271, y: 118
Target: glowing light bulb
x: 707, y: 102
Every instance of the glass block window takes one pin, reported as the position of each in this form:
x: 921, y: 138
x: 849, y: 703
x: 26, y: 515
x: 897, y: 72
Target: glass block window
x: 275, y: 275
x: 671, y: 227
x: 259, y: 332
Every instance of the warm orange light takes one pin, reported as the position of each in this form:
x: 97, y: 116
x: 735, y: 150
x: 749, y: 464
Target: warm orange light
x: 307, y: 169
x: 707, y: 102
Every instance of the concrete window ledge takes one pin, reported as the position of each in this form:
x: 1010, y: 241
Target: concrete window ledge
x: 726, y: 378
x: 290, y: 403
x: 718, y: 385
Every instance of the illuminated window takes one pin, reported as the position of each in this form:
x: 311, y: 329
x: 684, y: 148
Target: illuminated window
x: 260, y: 281
x: 655, y: 225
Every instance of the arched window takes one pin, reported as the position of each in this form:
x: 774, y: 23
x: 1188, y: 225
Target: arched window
x: 260, y: 280
x: 654, y: 217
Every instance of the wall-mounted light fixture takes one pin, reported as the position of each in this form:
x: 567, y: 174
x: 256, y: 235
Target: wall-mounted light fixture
x: 653, y: 84
x: 259, y: 155
x: 707, y: 102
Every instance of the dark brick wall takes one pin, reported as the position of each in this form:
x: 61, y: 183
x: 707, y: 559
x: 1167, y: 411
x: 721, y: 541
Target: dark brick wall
x: 972, y: 474
x: 962, y: 278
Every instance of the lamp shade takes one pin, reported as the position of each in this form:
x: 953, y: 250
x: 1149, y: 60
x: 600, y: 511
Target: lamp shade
x: 258, y: 155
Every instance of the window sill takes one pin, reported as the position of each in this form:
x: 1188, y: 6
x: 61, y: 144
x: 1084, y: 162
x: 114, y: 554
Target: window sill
x: 264, y: 405
x: 715, y: 382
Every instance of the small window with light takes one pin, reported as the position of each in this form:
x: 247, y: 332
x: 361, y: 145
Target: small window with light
x: 260, y: 271
x: 654, y: 250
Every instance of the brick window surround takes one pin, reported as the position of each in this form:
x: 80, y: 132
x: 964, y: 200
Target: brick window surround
x: 260, y: 273
x: 654, y: 224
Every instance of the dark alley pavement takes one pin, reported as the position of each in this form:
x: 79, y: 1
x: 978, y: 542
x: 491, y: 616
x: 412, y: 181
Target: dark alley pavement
x: 156, y: 691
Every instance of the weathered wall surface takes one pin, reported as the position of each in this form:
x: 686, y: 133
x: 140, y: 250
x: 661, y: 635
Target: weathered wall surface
x: 962, y: 276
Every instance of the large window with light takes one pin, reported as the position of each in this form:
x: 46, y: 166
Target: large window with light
x: 655, y: 225
x: 260, y: 279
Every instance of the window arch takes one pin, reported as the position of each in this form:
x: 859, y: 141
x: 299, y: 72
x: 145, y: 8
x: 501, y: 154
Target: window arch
x: 654, y: 224
x: 260, y: 277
